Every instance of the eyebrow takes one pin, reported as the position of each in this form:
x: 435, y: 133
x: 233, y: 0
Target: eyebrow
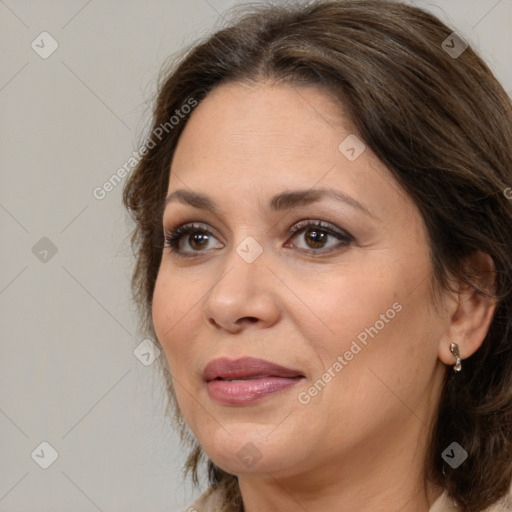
x: 280, y: 202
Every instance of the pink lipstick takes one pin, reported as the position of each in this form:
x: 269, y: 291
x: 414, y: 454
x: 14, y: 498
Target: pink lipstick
x: 245, y: 380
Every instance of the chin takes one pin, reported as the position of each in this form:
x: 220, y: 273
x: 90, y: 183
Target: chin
x: 250, y: 450
x: 247, y: 460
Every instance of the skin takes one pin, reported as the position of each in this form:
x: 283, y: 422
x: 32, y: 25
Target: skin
x: 360, y: 443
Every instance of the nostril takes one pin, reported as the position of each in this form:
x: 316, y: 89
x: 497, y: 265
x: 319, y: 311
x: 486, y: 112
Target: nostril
x: 238, y: 323
x: 213, y: 322
x: 251, y: 319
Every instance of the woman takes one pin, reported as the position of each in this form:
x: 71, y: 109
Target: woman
x: 323, y: 242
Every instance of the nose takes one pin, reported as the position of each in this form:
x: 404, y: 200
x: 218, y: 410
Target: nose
x: 243, y: 294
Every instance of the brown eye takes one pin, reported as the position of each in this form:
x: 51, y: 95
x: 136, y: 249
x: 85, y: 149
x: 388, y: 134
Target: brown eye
x: 196, y: 237
x: 317, y: 235
x: 198, y: 241
x: 316, y: 238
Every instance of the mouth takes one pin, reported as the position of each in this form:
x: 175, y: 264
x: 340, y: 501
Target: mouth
x: 245, y: 380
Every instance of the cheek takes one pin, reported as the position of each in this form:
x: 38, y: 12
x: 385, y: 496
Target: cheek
x: 347, y: 305
x: 388, y: 353
x: 174, y: 306
x: 378, y: 319
x: 174, y: 313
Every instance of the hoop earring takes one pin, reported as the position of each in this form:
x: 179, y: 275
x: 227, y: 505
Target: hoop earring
x: 454, y: 349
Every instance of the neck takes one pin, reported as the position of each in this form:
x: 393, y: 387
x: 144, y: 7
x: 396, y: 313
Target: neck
x: 380, y: 474
x: 275, y: 495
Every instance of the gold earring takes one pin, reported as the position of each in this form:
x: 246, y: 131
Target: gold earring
x: 454, y: 349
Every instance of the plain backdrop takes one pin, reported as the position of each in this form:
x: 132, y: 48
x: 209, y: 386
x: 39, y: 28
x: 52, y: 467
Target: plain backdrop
x: 68, y: 373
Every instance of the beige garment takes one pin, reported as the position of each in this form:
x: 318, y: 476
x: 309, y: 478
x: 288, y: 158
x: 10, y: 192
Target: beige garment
x: 446, y: 504
x: 210, y: 501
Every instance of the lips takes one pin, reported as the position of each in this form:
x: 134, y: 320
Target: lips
x: 245, y: 380
x: 245, y: 368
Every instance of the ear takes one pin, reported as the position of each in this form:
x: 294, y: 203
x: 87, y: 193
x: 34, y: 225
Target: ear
x: 471, y: 312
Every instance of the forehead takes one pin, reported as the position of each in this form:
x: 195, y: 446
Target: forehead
x: 241, y: 118
x: 275, y: 129
x: 266, y: 138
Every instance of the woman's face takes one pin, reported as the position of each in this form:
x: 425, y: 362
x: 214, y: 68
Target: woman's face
x: 342, y: 307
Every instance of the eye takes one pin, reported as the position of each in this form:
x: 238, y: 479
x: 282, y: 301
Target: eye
x: 316, y: 235
x: 198, y: 239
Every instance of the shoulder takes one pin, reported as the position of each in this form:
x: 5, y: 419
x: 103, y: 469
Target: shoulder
x: 443, y: 504
x: 446, y: 504
x: 503, y: 505
x: 210, y: 501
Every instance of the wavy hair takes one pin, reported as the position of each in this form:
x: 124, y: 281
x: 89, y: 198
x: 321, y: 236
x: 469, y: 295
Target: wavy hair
x: 441, y: 123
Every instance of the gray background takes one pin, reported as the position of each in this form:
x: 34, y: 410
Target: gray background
x: 68, y: 375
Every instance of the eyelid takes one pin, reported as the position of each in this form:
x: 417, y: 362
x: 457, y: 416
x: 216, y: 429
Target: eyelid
x: 174, y: 234
x: 345, y: 239
x: 198, y: 226
x: 298, y: 226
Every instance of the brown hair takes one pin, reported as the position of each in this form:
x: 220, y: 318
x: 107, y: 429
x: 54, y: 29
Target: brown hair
x: 441, y: 124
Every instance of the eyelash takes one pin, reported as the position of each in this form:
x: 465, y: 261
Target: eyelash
x: 172, y: 237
